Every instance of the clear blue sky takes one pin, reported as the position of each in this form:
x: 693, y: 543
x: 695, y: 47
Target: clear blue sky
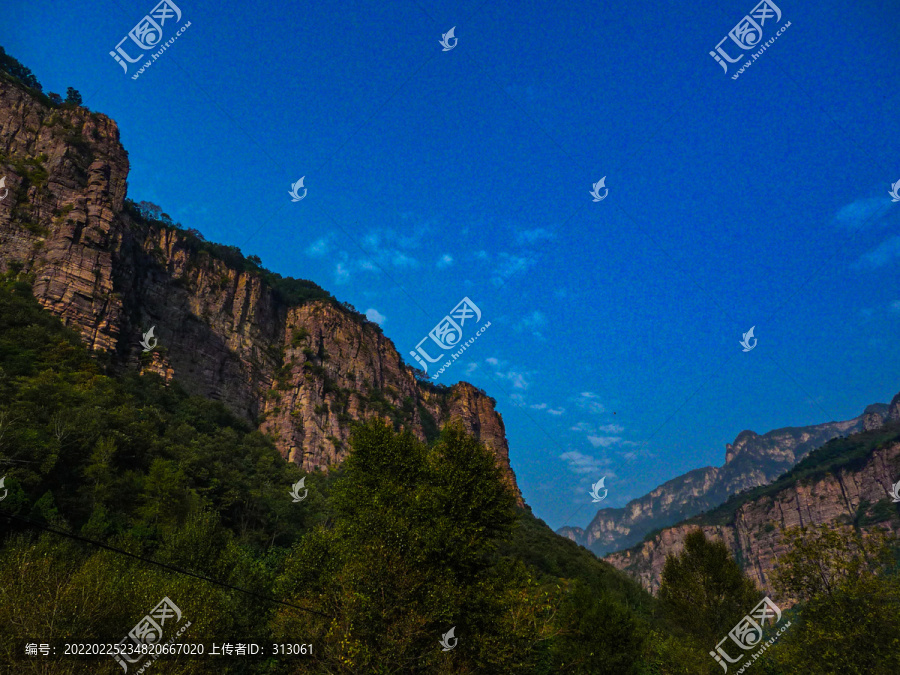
x: 434, y: 175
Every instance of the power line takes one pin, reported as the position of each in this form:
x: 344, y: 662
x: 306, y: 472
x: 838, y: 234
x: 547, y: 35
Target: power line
x: 156, y: 562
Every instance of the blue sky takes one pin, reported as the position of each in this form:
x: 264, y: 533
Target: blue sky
x: 433, y: 175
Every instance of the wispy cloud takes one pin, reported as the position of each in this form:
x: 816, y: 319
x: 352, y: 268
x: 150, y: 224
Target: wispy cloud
x: 882, y: 254
x: 400, y: 259
x: 532, y: 237
x: 384, y: 250
x: 603, y: 441
x: 375, y: 316
x: 508, y: 265
x: 519, y: 378
x: 319, y: 247
x: 583, y: 464
x: 611, y: 428
x: 589, y: 401
x: 445, y: 261
x: 545, y: 407
x: 861, y: 211
x: 532, y: 323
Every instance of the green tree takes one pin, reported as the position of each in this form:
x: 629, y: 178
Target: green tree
x: 15, y: 68
x: 848, y: 590
x: 73, y: 97
x: 595, y: 635
x: 703, y: 591
x: 411, y: 554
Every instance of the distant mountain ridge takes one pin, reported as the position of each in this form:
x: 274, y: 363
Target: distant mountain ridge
x: 750, y: 461
x: 846, y: 481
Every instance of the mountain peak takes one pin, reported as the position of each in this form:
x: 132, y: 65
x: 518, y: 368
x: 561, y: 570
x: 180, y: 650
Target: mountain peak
x: 281, y: 353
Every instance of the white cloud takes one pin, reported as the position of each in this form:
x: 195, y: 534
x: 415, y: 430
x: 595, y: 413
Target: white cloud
x: 861, y: 211
x: 530, y: 237
x: 375, y: 316
x: 445, y: 261
x: 589, y: 401
x: 532, y: 322
x: 583, y: 464
x: 895, y: 306
x: 611, y: 428
x: 882, y: 254
x: 518, y: 379
x: 509, y: 265
x: 318, y: 248
x: 341, y: 273
x: 603, y: 441
x: 402, y: 260
x: 386, y: 248
x: 550, y: 411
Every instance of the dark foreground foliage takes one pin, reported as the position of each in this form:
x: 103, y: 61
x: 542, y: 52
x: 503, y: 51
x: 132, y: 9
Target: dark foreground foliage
x: 385, y: 555
x: 388, y: 553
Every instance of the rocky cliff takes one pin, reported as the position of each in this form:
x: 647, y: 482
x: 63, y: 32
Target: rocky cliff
x: 303, y: 371
x: 846, y: 481
x: 750, y: 461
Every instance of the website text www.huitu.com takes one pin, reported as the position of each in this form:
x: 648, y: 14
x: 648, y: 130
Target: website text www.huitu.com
x: 765, y: 46
x: 465, y: 346
x: 165, y: 46
x: 767, y: 644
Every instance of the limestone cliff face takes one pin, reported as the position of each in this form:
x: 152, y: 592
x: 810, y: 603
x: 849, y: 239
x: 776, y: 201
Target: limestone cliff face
x: 750, y: 461
x: 302, y: 372
x: 855, y: 493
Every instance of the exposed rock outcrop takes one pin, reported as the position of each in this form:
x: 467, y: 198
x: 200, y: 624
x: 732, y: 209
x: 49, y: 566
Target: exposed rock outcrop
x: 752, y: 460
x: 855, y: 492
x: 303, y: 372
